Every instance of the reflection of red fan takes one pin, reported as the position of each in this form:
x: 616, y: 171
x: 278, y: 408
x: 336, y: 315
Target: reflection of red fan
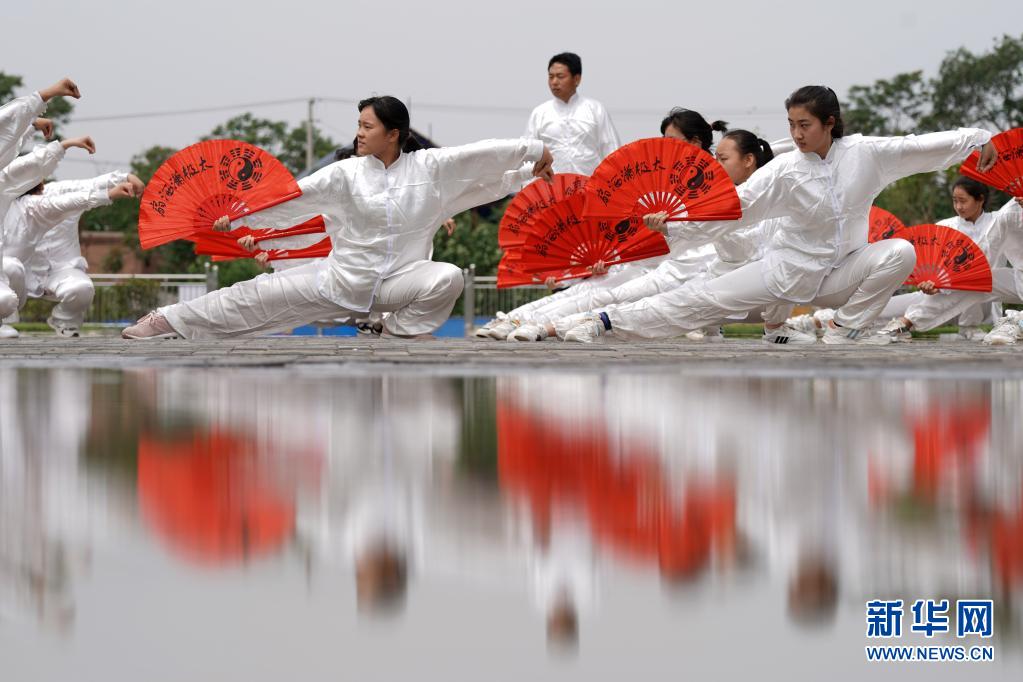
x: 203, y: 494
x: 561, y: 239
x: 632, y: 505
x: 883, y: 225
x: 948, y: 258
x: 532, y: 201
x: 661, y: 174
x: 1007, y: 173
x: 225, y: 244
x: 208, y: 180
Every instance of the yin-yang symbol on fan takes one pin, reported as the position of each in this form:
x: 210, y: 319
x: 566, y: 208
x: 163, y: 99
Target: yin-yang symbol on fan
x: 241, y: 168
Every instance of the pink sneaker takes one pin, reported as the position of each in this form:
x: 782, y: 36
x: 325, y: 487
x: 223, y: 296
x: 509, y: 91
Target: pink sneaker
x: 152, y: 326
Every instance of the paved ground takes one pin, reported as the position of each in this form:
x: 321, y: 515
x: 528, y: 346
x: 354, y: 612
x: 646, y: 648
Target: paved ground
x: 457, y: 355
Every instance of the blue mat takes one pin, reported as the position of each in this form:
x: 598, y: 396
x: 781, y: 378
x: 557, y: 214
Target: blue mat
x: 453, y: 328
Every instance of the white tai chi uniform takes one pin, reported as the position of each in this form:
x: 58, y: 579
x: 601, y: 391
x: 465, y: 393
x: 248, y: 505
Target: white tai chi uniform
x: 998, y: 234
x: 601, y: 290
x: 16, y: 119
x: 728, y: 253
x: 381, y: 221
x: 18, y: 177
x: 56, y: 270
x: 578, y: 132
x: 28, y: 221
x: 820, y: 254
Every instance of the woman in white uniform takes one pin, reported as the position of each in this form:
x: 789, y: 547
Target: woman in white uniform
x: 381, y: 210
x: 929, y: 308
x: 820, y: 254
x: 520, y: 323
x: 740, y: 153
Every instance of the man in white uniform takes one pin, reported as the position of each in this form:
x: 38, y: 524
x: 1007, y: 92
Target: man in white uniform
x: 576, y: 129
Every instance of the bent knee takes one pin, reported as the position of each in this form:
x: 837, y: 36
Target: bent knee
x: 78, y: 292
x: 903, y: 253
x: 8, y: 303
x: 451, y: 281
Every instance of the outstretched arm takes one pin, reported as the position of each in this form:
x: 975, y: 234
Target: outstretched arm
x: 900, y: 157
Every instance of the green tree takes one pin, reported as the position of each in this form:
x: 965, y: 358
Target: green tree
x: 979, y: 89
x: 888, y: 107
x: 969, y: 89
x: 287, y: 144
x: 473, y: 242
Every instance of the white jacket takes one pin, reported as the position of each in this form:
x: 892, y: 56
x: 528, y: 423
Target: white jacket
x: 579, y: 133
x: 382, y: 220
x: 999, y: 234
x: 828, y: 201
x: 23, y: 174
x: 60, y: 248
x: 16, y: 119
x: 33, y: 215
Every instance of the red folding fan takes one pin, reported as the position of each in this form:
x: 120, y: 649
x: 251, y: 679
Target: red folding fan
x: 1007, y: 173
x: 948, y: 258
x: 562, y: 239
x: 510, y: 274
x: 533, y: 200
x: 209, y: 243
x: 883, y: 225
x: 661, y: 174
x: 320, y: 249
x: 206, y: 181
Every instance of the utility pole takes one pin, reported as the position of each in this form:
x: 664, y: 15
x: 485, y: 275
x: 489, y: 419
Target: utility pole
x: 309, y: 137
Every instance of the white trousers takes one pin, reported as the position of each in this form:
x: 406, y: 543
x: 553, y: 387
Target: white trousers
x: 73, y: 291
x: 927, y: 312
x: 859, y: 288
x: 528, y: 311
x: 420, y: 300
x: 12, y: 287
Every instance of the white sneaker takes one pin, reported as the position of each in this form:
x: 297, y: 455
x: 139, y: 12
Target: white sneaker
x: 8, y: 332
x: 898, y: 332
x: 1007, y: 331
x: 823, y: 315
x: 499, y: 328
x: 65, y: 331
x: 484, y: 331
x: 587, y: 331
x: 713, y: 334
x: 152, y: 325
x: 971, y: 334
x: 566, y: 324
x: 787, y: 335
x: 528, y: 332
x: 803, y: 323
x: 843, y: 336
x: 695, y: 335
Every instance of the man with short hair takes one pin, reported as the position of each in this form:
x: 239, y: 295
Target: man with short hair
x: 577, y: 129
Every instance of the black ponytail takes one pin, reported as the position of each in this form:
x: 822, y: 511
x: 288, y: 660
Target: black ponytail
x: 748, y: 143
x: 822, y: 102
x: 691, y: 124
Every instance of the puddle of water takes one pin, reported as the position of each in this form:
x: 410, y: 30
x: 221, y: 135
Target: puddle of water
x: 263, y: 524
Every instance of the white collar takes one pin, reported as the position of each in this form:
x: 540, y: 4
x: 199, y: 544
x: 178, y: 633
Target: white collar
x: 572, y: 101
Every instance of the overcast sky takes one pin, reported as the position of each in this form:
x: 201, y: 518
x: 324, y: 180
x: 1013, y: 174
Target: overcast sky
x: 735, y: 61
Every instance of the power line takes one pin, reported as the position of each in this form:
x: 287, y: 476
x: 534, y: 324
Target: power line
x: 749, y: 112
x: 185, y: 112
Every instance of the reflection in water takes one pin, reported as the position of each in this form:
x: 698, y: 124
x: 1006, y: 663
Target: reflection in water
x: 551, y: 489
